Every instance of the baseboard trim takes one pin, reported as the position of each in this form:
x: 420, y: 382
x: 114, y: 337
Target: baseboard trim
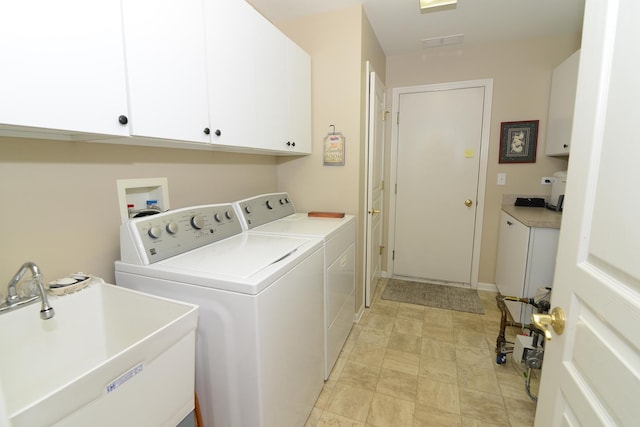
x: 489, y: 287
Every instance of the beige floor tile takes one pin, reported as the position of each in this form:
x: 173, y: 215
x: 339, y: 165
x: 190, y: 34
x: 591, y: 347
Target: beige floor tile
x: 439, y: 396
x: 397, y: 384
x: 333, y: 420
x: 474, y: 422
x: 438, y: 317
x: 436, y: 332
x: 408, y: 326
x: 520, y: 412
x: 475, y: 356
x: 387, y: 411
x: 314, y: 418
x: 439, y: 370
x: 405, y: 342
x: 402, y: 361
x: 482, y: 406
x: 374, y: 336
x: 478, y: 378
x: 426, y: 416
x: 440, y: 350
x: 466, y: 338
x: 350, y: 402
x: 409, y: 365
x: 360, y: 375
x: 368, y: 354
x: 378, y: 321
x: 337, y: 368
x: 415, y: 312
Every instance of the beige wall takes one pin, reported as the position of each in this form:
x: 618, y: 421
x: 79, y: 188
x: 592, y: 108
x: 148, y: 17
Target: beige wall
x: 521, y: 73
x: 60, y: 206
x: 339, y: 43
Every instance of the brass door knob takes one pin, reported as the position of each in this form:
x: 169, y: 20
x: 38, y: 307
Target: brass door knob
x: 555, y: 319
x: 468, y: 203
x: 374, y: 211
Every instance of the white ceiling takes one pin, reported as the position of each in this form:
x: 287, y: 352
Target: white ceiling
x: 400, y: 26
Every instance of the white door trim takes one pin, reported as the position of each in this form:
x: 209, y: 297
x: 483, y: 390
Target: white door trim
x: 487, y: 84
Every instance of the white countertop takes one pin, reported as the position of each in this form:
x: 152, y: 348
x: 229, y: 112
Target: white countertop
x: 534, y: 217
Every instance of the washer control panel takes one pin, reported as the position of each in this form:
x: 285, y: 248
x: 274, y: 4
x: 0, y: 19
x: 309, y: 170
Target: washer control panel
x: 259, y: 210
x: 153, y: 238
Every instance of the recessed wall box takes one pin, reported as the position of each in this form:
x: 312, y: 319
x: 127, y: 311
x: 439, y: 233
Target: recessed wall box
x: 137, y: 192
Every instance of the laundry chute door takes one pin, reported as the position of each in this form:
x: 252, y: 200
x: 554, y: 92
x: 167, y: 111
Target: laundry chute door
x: 591, y: 370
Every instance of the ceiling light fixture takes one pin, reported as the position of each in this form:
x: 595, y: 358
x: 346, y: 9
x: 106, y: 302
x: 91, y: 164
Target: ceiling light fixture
x: 435, y: 5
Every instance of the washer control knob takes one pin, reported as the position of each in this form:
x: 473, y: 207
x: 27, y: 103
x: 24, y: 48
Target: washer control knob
x: 217, y: 217
x: 197, y: 221
x: 269, y: 204
x: 172, y: 228
x: 155, y: 231
x: 248, y: 209
x: 228, y: 214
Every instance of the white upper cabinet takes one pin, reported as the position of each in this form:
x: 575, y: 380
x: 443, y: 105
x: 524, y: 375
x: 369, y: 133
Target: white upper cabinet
x: 259, y: 82
x: 299, y: 99
x: 166, y: 69
x: 186, y: 74
x: 62, y: 70
x: 561, y: 105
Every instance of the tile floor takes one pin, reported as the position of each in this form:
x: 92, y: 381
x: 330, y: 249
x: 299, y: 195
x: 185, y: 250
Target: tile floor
x: 409, y: 365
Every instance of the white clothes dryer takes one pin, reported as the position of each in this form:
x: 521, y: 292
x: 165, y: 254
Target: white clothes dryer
x: 259, y: 340
x: 275, y: 214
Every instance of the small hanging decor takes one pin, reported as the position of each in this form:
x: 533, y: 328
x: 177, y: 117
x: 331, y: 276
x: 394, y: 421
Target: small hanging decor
x: 334, y: 148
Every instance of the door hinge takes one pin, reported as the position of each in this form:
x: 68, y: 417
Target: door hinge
x: 393, y: 255
x: 380, y: 249
x: 384, y: 115
x: 395, y: 190
x: 398, y: 118
x: 382, y: 185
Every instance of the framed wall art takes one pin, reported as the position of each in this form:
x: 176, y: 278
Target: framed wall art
x: 518, y: 141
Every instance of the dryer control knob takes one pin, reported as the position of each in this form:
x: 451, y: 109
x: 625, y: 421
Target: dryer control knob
x: 172, y: 228
x: 197, y: 222
x: 228, y: 214
x: 155, y: 231
x: 269, y: 205
x: 217, y: 217
x: 248, y: 209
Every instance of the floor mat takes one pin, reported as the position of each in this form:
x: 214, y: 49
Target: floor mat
x: 432, y: 295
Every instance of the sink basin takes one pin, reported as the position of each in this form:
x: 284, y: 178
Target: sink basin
x: 110, y: 356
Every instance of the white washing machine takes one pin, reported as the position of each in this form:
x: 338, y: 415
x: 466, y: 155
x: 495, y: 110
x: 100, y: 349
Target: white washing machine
x: 275, y: 214
x: 259, y: 341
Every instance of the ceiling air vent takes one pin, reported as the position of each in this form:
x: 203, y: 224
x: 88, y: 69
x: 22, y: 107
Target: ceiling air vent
x: 443, y: 41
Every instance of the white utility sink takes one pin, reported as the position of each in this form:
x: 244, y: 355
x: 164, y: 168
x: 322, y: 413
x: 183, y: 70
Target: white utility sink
x: 110, y: 356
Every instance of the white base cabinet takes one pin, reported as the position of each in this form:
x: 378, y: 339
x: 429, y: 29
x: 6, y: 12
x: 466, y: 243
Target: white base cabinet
x: 564, y: 82
x: 526, y: 262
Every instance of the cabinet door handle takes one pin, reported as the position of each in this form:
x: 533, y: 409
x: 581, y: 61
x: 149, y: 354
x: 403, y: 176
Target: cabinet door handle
x: 217, y: 132
x: 207, y: 131
x: 123, y: 120
x: 509, y: 223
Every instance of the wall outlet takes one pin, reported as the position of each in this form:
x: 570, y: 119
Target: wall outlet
x: 502, y: 178
x: 546, y: 180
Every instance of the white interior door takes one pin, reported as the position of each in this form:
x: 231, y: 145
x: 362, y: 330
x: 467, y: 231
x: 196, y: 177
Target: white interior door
x: 591, y: 373
x: 375, y: 183
x: 439, y: 144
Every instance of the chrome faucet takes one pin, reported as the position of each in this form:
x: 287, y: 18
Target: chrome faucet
x: 13, y: 299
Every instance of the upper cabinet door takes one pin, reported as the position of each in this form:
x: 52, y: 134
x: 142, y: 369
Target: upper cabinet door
x: 166, y: 69
x: 299, y: 99
x: 561, y: 105
x: 259, y: 81
x: 62, y: 66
